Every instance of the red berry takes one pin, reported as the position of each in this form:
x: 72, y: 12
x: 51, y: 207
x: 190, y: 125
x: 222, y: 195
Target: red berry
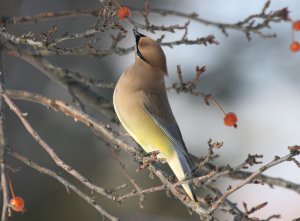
x: 296, y: 25
x: 230, y: 119
x: 17, y: 204
x: 124, y: 12
x: 295, y: 46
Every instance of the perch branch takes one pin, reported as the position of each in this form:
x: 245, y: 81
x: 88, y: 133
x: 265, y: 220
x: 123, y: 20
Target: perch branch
x: 111, y: 137
x: 129, y: 178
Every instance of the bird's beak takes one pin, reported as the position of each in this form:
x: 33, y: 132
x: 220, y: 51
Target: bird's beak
x: 137, y: 35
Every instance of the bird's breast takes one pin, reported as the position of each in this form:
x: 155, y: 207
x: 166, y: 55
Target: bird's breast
x: 139, y: 124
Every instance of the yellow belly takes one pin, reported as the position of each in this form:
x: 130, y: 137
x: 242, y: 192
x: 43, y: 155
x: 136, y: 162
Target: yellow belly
x: 144, y: 130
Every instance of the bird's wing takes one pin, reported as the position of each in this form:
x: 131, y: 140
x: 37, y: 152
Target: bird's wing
x: 158, y: 107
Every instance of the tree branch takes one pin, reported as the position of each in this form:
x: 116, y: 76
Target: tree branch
x: 3, y: 144
x: 69, y: 80
x: 58, y: 161
x: 108, y: 136
x: 47, y: 49
x: 64, y: 182
x: 112, y: 137
x: 248, y: 25
x: 249, y: 179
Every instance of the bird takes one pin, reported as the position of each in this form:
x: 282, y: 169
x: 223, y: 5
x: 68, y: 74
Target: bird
x: 142, y: 106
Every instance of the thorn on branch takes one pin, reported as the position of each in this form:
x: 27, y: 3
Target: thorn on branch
x: 179, y: 73
x: 296, y: 162
x: 159, y: 40
x: 255, y: 208
x: 186, y: 30
x: 209, y: 199
x: 275, y: 216
x: 258, y: 181
x: 252, y: 160
x: 199, y: 72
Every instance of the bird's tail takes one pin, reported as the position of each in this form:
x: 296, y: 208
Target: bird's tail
x: 182, y: 170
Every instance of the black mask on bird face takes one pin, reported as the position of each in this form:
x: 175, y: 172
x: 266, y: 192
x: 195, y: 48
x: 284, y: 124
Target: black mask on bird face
x: 149, y: 51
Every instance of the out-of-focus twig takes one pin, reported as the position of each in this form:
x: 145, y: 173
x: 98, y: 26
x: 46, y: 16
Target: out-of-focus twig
x: 3, y: 144
x: 110, y: 137
x: 49, y: 15
x: 128, y: 177
x: 46, y: 49
x: 74, y: 113
x: 63, y: 181
x: 249, y: 179
x: 59, y: 162
x: 249, y: 25
x: 68, y: 80
x: 164, y: 187
x: 210, y: 153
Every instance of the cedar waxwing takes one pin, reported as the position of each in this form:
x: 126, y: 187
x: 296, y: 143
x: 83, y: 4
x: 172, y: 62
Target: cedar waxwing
x: 142, y: 106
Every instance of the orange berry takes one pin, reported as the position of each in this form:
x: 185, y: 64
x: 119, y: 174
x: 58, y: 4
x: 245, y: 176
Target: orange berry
x: 230, y: 119
x: 124, y: 12
x: 296, y: 25
x: 17, y: 204
x: 295, y: 46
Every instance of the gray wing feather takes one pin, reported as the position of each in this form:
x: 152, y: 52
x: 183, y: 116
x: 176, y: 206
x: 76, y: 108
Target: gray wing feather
x: 170, y: 127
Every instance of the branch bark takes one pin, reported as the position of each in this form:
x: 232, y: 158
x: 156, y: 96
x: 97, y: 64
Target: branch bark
x: 113, y: 138
x: 59, y: 162
x: 64, y: 182
x: 249, y: 179
x: 3, y: 144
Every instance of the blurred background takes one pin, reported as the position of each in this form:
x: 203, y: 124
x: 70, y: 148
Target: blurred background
x: 258, y: 80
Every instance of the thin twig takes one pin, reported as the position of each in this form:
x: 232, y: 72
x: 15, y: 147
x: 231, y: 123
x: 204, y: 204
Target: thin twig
x: 249, y: 179
x: 3, y: 144
x: 233, y: 208
x: 210, y: 153
x: 246, y: 25
x: 272, y: 181
x: 164, y: 187
x: 58, y: 161
x: 64, y: 182
x: 74, y: 113
x: 45, y: 49
x: 110, y: 137
x: 65, y: 78
x: 101, y: 129
x: 49, y: 15
x: 129, y: 178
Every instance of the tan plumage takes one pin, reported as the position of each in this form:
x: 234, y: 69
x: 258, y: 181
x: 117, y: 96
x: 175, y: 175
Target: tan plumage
x: 142, y: 106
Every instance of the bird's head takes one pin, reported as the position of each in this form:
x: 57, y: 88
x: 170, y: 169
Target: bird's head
x: 150, y: 52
